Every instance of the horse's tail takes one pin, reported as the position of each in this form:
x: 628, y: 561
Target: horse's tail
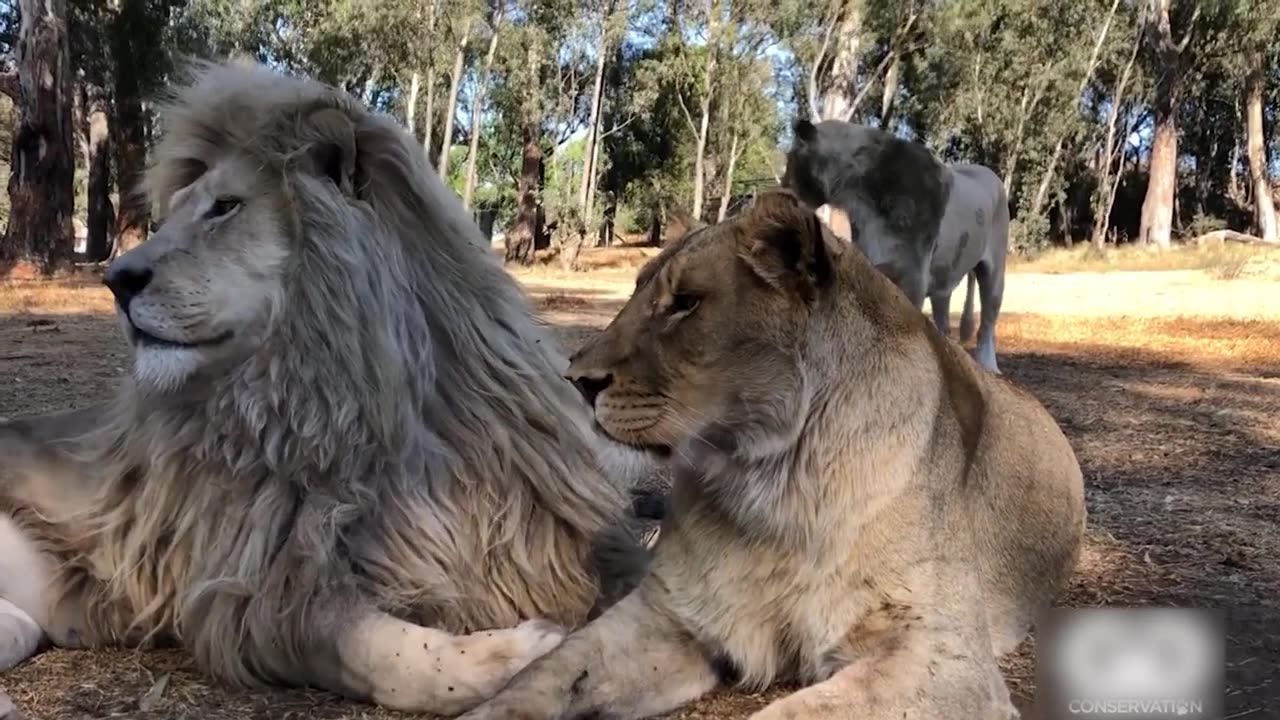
x: 966, y: 317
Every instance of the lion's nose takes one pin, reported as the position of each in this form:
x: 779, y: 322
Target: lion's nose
x: 591, y: 386
x: 126, y: 280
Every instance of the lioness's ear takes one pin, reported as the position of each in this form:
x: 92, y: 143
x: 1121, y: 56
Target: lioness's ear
x: 804, y: 130
x: 786, y: 244
x: 333, y: 147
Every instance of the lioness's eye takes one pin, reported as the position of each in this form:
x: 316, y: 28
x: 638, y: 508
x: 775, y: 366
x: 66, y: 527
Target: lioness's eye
x: 223, y: 206
x: 683, y: 302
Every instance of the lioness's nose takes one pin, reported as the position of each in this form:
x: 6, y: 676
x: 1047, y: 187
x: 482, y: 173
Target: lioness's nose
x: 127, y: 279
x: 591, y: 386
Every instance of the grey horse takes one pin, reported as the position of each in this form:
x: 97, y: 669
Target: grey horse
x: 923, y: 223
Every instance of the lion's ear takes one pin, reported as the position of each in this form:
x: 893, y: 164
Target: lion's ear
x: 333, y: 147
x: 787, y: 246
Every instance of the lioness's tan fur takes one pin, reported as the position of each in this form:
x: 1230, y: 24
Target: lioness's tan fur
x: 372, y: 482
x: 858, y: 507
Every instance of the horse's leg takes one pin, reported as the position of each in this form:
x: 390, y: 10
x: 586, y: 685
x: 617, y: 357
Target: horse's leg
x: 966, y: 315
x: 940, y: 303
x: 991, y: 287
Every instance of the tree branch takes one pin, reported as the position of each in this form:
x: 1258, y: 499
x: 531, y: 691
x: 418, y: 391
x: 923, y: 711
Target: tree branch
x: 866, y: 87
x: 1219, y: 237
x: 814, y: 111
x: 687, y: 115
x: 1191, y: 28
x: 617, y: 126
x: 880, y: 69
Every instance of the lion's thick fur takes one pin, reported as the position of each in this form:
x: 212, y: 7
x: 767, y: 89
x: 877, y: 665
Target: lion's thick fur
x: 401, y: 436
x: 857, y: 506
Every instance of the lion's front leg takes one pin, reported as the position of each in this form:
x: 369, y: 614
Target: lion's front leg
x: 409, y: 667
x: 20, y: 635
x: 916, y: 670
x: 25, y: 574
x: 634, y: 661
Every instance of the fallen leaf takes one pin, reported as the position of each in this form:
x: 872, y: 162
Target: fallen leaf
x: 152, y: 696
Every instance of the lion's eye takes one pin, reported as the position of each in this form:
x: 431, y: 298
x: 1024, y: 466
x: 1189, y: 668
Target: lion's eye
x: 222, y: 207
x: 683, y: 303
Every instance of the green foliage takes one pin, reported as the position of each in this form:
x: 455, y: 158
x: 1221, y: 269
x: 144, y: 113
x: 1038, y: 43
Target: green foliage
x: 1029, y: 234
x: 996, y: 82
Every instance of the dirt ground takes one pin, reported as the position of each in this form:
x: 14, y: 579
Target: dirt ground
x: 1173, y: 407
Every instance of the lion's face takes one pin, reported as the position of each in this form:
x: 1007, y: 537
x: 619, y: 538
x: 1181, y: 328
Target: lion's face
x: 203, y: 290
x: 710, y: 345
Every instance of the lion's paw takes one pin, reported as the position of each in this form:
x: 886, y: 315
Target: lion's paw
x: 19, y: 636
x: 531, y: 640
x: 8, y: 711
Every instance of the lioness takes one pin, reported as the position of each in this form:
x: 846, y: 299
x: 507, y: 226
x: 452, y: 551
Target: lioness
x: 856, y: 507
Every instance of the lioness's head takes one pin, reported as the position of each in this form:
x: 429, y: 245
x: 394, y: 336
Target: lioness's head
x: 713, y: 342
x: 207, y: 288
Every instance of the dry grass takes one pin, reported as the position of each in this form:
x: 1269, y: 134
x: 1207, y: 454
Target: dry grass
x: 1210, y: 258
x: 1166, y: 383
x: 63, y: 296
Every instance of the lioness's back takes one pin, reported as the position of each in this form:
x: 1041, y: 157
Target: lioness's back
x: 1027, y: 505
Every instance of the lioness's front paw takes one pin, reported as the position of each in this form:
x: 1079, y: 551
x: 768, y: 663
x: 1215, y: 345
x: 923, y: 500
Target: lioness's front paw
x: 504, y: 653
x: 518, y: 706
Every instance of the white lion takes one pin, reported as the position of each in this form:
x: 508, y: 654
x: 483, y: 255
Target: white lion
x: 346, y: 456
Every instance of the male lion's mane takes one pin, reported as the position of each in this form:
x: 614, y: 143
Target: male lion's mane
x: 403, y: 435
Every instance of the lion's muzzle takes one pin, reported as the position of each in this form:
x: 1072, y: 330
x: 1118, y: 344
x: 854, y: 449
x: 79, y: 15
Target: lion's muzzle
x: 590, y: 386
x: 127, y: 278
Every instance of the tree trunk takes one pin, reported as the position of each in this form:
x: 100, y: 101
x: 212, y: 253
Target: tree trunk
x: 1157, y: 207
x: 129, y: 129
x: 708, y: 78
x: 1156, y: 226
x: 429, y: 118
x: 1046, y: 180
x: 727, y: 193
x: 411, y: 108
x: 607, y: 219
x: 595, y: 172
x: 451, y: 105
x: 526, y: 230
x: 1264, y: 211
x: 593, y: 124
x: 890, y: 93
x: 428, y: 115
x: 1233, y: 178
x: 41, y: 180
x: 1028, y: 103
x: 841, y: 86
x: 485, y: 220
x: 101, y: 213
x: 477, y: 107
x: 522, y: 238
x: 1107, y: 182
